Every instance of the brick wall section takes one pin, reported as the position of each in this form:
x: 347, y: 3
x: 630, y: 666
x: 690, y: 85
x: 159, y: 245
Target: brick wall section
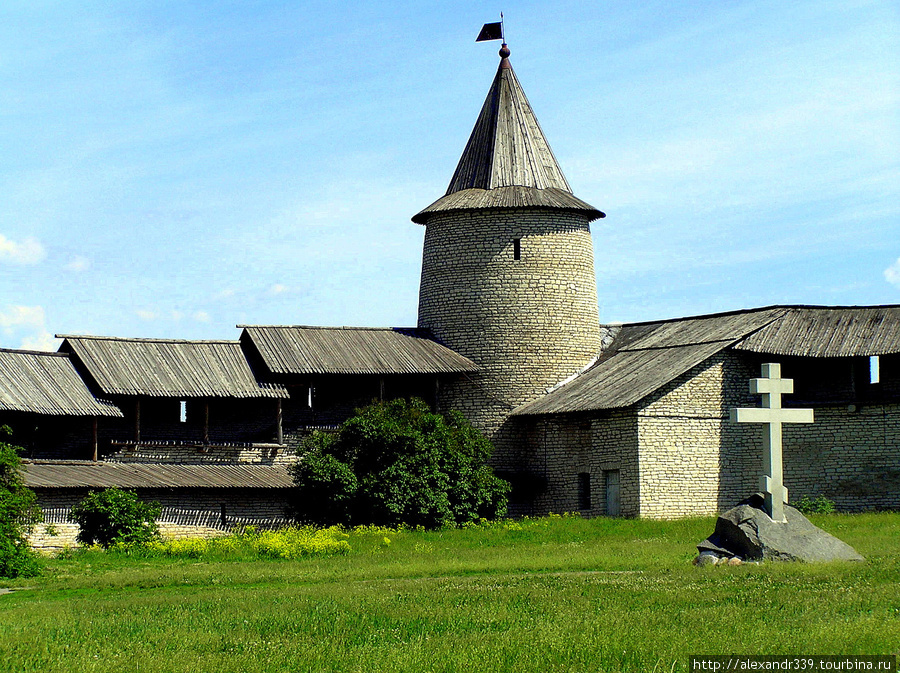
x: 185, y: 512
x: 528, y: 323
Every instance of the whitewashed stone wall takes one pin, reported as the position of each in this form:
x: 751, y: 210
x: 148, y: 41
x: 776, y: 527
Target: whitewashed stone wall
x: 185, y: 512
x: 528, y: 323
x: 268, y: 454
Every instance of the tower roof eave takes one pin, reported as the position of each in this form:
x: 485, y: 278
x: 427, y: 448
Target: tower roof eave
x: 508, y: 197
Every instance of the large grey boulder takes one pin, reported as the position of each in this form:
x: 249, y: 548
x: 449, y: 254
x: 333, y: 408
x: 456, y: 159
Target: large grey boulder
x: 746, y: 531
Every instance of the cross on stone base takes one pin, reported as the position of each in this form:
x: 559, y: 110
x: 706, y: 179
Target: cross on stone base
x: 771, y: 386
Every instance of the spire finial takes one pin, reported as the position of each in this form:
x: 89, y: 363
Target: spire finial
x: 504, y: 51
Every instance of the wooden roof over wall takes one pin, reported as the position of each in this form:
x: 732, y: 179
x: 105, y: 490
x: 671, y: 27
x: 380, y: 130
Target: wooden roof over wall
x: 86, y: 474
x: 507, y: 162
x: 643, y: 357
x: 829, y: 332
x: 168, y: 367
x: 47, y: 383
x: 352, y: 350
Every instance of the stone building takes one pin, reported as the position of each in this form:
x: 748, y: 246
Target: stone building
x: 508, y: 268
x: 632, y: 420
x: 621, y: 420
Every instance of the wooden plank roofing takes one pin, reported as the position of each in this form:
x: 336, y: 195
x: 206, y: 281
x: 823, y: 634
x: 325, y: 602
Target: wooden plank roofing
x: 86, y: 474
x: 827, y: 332
x: 352, y: 350
x: 168, y: 368
x: 507, y: 162
x: 645, y: 356
x: 507, y: 197
x: 47, y: 383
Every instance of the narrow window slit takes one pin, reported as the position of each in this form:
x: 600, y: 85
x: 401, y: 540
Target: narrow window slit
x: 517, y: 248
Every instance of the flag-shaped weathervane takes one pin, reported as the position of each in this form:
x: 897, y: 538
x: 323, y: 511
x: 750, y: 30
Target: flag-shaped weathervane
x: 491, y: 31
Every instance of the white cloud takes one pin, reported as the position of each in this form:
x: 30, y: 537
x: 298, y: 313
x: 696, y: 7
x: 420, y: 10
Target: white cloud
x: 201, y: 316
x: 28, y: 323
x: 28, y: 317
x: 278, y: 288
x: 892, y: 273
x: 41, y: 341
x: 144, y: 314
x: 78, y: 264
x: 27, y: 251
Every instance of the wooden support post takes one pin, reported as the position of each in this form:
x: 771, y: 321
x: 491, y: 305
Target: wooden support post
x: 437, y: 393
x: 381, y: 389
x: 206, y: 422
x: 94, y: 439
x: 279, y: 428
x: 137, y: 421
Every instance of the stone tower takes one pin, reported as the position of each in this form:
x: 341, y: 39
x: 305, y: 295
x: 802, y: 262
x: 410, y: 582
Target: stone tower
x: 508, y: 267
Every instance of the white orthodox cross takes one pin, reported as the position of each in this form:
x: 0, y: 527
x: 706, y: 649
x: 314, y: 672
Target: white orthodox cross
x: 771, y: 386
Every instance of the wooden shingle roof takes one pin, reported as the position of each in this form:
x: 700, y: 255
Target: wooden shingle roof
x: 352, y: 350
x: 507, y: 162
x: 47, y: 383
x: 168, y: 367
x: 87, y: 474
x: 645, y: 356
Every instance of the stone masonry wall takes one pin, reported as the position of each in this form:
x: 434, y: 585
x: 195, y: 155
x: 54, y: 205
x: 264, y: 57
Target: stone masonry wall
x: 679, y: 433
x: 694, y: 461
x: 528, y: 323
x: 185, y: 512
x: 566, y: 446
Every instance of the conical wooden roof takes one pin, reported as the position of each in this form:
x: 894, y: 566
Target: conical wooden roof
x: 507, y: 161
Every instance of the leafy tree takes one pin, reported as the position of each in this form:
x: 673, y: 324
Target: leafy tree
x: 398, y: 463
x: 18, y: 513
x: 113, y: 516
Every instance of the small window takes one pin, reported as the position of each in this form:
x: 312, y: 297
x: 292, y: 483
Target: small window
x: 517, y: 248
x: 182, y: 411
x: 584, y: 490
x: 874, y: 370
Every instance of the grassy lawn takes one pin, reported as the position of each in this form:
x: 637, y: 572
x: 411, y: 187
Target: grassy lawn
x: 559, y: 594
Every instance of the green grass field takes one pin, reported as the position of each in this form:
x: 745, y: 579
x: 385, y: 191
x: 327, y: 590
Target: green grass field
x: 558, y: 594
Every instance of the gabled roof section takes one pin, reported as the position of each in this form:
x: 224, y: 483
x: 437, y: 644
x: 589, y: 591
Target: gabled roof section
x: 47, y: 383
x: 84, y: 474
x: 352, y: 350
x: 643, y: 357
x: 507, y: 162
x: 168, y: 367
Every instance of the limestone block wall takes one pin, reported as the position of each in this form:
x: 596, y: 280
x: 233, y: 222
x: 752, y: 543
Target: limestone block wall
x: 565, y: 447
x: 528, y: 323
x: 694, y: 460
x: 185, y: 512
x: 679, y: 437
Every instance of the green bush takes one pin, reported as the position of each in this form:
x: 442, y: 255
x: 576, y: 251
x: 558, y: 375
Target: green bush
x: 113, y: 516
x: 18, y: 514
x: 817, y: 505
x: 397, y: 463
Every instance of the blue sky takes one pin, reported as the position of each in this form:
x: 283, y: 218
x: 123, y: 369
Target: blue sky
x: 172, y: 170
